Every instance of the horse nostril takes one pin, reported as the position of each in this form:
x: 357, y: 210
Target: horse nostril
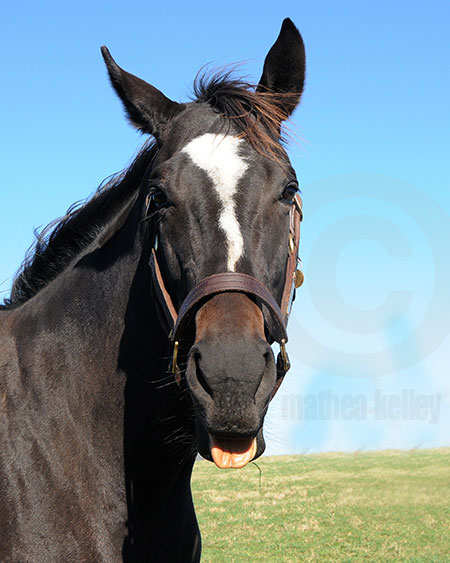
x: 268, y: 379
x: 201, y: 377
x: 198, y: 378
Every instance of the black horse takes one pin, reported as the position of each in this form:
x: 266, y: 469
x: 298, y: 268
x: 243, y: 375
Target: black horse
x: 138, y: 331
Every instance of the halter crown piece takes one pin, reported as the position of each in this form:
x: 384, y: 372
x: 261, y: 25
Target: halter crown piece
x: 176, y: 322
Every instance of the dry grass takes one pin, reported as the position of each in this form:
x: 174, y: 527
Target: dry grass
x: 377, y: 506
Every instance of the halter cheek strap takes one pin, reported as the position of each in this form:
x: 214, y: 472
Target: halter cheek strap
x: 176, y: 322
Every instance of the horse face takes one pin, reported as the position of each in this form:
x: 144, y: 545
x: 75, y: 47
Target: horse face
x: 222, y: 205
x: 225, y: 208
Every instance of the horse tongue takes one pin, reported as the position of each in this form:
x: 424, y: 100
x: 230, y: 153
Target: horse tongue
x: 232, y: 453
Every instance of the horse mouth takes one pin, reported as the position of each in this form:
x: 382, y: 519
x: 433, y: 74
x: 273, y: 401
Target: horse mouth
x: 227, y: 453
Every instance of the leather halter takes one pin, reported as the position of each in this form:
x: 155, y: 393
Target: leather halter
x: 176, y: 322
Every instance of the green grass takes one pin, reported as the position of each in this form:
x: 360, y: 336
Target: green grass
x: 376, y: 506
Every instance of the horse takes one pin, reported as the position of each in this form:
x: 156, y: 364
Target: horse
x: 138, y: 331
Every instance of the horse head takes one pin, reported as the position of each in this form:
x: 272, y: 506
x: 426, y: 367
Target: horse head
x: 220, y: 198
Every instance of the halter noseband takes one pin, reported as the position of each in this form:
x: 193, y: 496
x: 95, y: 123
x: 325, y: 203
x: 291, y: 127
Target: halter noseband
x: 176, y: 322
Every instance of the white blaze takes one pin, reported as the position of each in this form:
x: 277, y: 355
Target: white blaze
x: 218, y: 156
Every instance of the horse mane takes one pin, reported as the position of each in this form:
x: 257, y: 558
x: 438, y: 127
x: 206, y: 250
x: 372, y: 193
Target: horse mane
x: 61, y: 241
x: 257, y: 116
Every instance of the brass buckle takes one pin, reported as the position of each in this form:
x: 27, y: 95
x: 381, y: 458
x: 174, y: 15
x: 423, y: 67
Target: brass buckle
x: 174, y: 358
x: 174, y: 368
x: 291, y: 243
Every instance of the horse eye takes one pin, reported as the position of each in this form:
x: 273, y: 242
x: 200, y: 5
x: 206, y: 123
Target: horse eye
x: 290, y: 192
x: 158, y: 199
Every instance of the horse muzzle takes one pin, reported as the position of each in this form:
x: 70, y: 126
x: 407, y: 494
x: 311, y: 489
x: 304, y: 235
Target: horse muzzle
x: 231, y: 375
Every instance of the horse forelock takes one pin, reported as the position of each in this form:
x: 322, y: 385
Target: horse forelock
x: 257, y: 114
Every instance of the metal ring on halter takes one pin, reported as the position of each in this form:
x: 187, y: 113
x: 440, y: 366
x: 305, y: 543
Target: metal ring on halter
x: 284, y: 356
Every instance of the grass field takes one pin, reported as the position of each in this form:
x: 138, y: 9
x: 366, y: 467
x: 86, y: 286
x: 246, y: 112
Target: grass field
x: 377, y: 506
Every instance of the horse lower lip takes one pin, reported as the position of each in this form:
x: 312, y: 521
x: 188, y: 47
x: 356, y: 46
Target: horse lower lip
x: 232, y: 453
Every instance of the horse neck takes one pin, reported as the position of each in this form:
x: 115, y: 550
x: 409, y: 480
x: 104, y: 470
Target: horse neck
x: 83, y: 316
x: 91, y: 341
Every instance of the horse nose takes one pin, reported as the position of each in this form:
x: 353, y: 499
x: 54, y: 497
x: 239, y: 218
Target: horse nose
x: 232, y: 381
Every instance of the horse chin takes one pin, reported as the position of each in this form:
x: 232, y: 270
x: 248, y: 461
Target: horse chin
x: 229, y: 452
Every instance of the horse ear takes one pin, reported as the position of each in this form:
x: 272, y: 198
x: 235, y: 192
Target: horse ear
x: 147, y: 108
x: 284, y: 68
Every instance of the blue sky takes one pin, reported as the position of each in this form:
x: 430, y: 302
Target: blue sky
x: 369, y: 334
